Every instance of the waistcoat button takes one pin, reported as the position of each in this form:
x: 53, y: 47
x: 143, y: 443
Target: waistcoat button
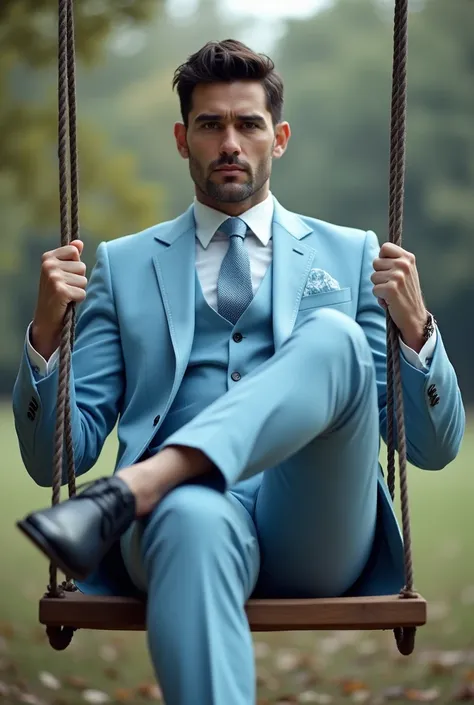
x: 237, y: 337
x: 235, y: 376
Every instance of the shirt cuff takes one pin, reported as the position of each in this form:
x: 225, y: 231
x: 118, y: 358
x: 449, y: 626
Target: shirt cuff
x: 39, y: 365
x: 421, y: 360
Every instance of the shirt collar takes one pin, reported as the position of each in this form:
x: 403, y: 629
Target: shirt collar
x: 259, y: 219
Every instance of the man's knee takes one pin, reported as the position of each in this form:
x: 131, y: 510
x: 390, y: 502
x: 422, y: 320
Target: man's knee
x: 190, y: 515
x: 336, y: 329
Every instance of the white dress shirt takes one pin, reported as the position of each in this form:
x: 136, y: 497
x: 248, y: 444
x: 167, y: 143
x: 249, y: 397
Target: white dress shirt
x: 211, y: 247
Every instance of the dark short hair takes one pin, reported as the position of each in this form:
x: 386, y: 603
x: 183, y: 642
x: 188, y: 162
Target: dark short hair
x: 228, y: 61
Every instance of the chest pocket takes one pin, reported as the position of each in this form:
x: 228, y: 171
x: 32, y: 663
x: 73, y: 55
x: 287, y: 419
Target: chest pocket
x: 327, y: 298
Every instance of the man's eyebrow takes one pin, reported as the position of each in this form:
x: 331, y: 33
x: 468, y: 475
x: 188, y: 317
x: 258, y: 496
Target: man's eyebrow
x: 208, y: 117
x: 211, y: 117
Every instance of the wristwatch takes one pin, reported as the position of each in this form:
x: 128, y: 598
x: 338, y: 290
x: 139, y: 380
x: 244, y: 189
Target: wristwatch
x: 428, y: 330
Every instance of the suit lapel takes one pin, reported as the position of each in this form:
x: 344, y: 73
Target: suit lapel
x: 175, y: 271
x: 292, y: 260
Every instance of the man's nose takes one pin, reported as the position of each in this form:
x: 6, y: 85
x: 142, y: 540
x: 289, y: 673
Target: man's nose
x: 230, y: 143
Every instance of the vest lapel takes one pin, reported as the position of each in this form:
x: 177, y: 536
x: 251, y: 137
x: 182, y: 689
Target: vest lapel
x: 292, y: 261
x: 175, y: 270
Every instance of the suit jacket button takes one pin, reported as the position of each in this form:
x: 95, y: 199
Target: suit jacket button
x: 156, y: 420
x: 236, y: 376
x: 237, y: 337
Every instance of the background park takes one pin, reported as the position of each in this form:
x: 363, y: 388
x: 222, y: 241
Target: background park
x: 335, y: 58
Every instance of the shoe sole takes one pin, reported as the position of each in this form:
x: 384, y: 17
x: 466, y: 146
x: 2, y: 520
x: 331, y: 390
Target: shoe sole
x: 45, y: 547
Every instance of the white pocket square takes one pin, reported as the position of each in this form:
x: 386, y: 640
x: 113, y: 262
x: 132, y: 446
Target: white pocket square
x: 320, y: 281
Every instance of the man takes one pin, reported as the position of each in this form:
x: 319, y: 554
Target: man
x: 242, y: 348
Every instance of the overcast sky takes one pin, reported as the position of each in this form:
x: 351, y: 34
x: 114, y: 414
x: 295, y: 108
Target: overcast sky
x: 271, y: 9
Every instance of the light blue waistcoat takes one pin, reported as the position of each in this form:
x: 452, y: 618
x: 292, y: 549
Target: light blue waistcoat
x: 220, y: 350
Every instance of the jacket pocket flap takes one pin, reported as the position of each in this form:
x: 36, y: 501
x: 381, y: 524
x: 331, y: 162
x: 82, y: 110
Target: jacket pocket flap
x: 326, y: 298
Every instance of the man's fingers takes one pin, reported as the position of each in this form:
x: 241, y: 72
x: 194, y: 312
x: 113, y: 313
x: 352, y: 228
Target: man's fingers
x: 388, y: 249
x: 380, y: 277
x: 67, y: 253
x: 75, y: 280
x: 380, y: 264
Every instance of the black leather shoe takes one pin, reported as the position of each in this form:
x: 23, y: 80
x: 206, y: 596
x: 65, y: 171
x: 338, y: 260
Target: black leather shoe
x: 77, y: 533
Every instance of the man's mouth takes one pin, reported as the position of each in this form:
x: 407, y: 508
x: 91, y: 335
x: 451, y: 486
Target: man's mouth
x: 230, y: 169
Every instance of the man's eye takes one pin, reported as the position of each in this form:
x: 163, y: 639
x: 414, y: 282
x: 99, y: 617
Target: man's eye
x: 250, y: 125
x: 210, y: 125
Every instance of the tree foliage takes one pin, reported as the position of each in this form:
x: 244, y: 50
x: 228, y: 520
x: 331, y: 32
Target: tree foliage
x: 114, y: 197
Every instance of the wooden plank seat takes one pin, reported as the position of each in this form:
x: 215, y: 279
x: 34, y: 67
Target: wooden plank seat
x: 349, y: 613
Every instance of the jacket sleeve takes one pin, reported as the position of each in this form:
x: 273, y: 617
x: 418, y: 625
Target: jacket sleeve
x: 96, y: 387
x: 434, y: 431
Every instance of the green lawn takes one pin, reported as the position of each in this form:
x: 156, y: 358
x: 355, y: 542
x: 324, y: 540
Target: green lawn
x: 303, y: 667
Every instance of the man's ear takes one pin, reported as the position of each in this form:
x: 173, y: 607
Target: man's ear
x: 282, y: 137
x: 181, y: 141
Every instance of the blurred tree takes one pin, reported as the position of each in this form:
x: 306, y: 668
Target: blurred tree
x: 113, y: 198
x: 337, y: 70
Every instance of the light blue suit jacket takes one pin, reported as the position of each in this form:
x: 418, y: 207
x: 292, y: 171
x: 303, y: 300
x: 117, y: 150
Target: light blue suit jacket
x: 135, y: 332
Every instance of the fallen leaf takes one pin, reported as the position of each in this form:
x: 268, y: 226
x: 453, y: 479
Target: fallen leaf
x: 311, y: 696
x: 287, y: 660
x: 330, y: 645
x: 96, y: 697
x: 108, y: 653
x: 30, y: 699
x: 464, y: 693
x: 350, y: 686
x: 422, y: 696
x: 7, y: 630
x: 150, y: 691
x: 111, y: 673
x: 261, y: 649
x: 395, y: 692
x: 123, y: 694
x: 451, y: 658
x: 49, y: 681
x: 76, y: 682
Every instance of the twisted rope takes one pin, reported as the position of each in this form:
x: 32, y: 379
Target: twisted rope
x: 69, y: 224
x: 405, y: 638
x: 396, y: 208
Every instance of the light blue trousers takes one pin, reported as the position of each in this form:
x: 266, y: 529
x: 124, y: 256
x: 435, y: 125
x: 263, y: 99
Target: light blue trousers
x: 302, y: 527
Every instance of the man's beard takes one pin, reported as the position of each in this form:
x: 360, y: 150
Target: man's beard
x: 232, y: 191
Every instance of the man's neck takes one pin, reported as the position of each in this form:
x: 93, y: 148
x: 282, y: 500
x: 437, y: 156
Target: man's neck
x: 234, y: 209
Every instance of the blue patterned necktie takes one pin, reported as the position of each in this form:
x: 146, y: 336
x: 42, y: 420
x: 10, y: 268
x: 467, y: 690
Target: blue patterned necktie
x: 234, y: 285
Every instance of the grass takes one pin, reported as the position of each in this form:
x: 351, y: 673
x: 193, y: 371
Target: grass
x: 307, y: 667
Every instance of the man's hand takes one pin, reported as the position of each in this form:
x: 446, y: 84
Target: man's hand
x: 62, y: 281
x: 397, y: 287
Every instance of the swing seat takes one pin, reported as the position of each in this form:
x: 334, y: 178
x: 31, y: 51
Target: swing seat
x: 78, y: 611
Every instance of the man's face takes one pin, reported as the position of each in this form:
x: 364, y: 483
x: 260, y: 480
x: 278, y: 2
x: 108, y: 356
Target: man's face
x: 230, y: 141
